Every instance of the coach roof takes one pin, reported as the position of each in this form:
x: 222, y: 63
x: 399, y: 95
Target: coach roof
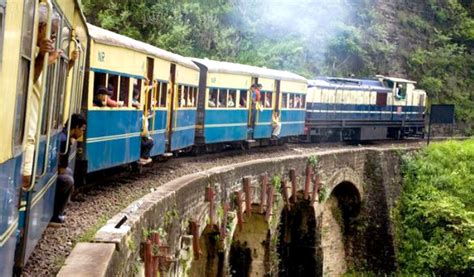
x: 254, y: 71
x: 110, y: 38
x: 348, y: 84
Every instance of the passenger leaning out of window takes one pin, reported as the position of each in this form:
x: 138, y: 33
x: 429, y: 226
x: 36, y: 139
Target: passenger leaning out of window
x: 136, y: 99
x: 100, y: 98
x: 65, y: 181
x: 110, y: 102
x: 44, y: 45
x: 276, y: 125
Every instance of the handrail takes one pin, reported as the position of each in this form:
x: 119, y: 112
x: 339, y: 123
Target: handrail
x: 147, y: 103
x: 81, y: 77
x: 153, y: 111
x: 42, y: 98
x: 72, y: 98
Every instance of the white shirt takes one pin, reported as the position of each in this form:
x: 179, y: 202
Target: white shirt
x: 32, y: 121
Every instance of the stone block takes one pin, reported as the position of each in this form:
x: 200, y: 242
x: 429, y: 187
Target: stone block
x: 88, y: 259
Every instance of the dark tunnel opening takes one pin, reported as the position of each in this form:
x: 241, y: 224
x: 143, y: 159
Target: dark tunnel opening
x: 348, y: 199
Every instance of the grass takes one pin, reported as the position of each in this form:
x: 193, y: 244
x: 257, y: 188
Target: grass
x: 89, y: 234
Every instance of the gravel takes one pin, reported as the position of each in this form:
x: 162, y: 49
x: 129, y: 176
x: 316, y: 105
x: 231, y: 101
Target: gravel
x: 110, y: 194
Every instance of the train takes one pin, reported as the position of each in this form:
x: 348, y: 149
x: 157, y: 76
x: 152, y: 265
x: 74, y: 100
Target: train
x: 191, y: 105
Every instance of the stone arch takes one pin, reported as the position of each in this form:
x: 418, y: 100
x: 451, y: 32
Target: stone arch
x: 211, y: 261
x: 249, y: 251
x: 339, y: 214
x: 347, y: 175
x: 298, y: 239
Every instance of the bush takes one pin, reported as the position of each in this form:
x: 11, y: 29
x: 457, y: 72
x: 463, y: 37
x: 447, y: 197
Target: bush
x: 435, y: 225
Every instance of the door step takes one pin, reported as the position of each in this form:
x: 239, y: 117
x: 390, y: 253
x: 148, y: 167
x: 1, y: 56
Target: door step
x: 167, y: 154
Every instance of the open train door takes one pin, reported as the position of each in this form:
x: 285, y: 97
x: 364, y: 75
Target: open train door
x: 171, y: 107
x: 150, y: 94
x: 277, y: 106
x: 251, y: 115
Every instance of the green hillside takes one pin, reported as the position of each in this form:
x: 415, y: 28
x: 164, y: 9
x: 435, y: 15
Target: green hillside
x: 430, y: 41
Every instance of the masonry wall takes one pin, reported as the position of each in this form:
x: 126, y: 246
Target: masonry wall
x: 170, y: 208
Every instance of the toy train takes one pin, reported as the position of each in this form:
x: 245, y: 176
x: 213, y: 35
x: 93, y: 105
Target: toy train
x: 192, y: 105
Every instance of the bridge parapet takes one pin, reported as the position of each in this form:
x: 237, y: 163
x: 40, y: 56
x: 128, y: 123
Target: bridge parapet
x: 170, y: 208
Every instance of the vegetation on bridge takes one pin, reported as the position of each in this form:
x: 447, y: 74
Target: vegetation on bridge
x: 435, y: 217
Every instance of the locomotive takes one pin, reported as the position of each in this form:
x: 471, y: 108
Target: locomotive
x: 191, y: 104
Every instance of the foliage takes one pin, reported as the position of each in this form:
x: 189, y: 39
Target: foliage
x: 435, y: 217
x: 276, y: 182
x: 313, y: 161
x: 323, y: 193
x: 427, y: 41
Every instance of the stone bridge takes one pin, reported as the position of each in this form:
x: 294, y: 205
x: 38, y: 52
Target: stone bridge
x: 304, y: 215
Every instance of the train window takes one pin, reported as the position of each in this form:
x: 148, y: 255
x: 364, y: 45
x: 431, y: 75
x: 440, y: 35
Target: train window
x: 262, y: 98
x: 190, y: 100
x: 298, y: 104
x: 25, y: 51
x: 303, y: 101
x: 2, y: 27
x: 284, y: 101
x: 212, y: 100
x: 47, y: 98
x: 163, y: 94
x: 181, y: 101
x: 100, y: 80
x: 156, y: 94
x: 222, y: 103
x: 124, y: 90
x: 60, y: 94
x: 243, y: 98
x: 231, y: 98
x: 187, y: 96
x: 137, y: 86
x: 389, y: 84
x: 66, y: 38
x: 112, y: 86
x: 292, y: 101
x: 268, y: 99
x: 401, y: 91
x: 193, y: 97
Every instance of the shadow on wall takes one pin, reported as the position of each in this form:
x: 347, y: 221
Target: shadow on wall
x: 211, y: 260
x: 298, y: 241
x: 250, y: 246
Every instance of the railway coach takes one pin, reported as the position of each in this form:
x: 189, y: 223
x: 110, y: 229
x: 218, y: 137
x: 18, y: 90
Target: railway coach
x: 224, y: 110
x: 364, y: 109
x: 33, y: 114
x: 168, y: 88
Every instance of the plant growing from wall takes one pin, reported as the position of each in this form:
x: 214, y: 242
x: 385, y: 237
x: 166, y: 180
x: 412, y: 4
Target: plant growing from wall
x: 323, y: 193
x: 313, y: 161
x: 276, y: 183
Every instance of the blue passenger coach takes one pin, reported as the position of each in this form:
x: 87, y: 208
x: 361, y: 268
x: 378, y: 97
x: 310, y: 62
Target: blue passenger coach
x: 33, y: 115
x: 358, y: 109
x: 224, y: 110
x: 167, y: 85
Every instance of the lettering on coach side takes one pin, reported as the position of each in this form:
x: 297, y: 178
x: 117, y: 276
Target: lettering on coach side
x: 101, y: 56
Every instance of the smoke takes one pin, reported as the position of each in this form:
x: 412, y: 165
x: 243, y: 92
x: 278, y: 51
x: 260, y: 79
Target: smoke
x: 312, y: 22
x: 307, y: 18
